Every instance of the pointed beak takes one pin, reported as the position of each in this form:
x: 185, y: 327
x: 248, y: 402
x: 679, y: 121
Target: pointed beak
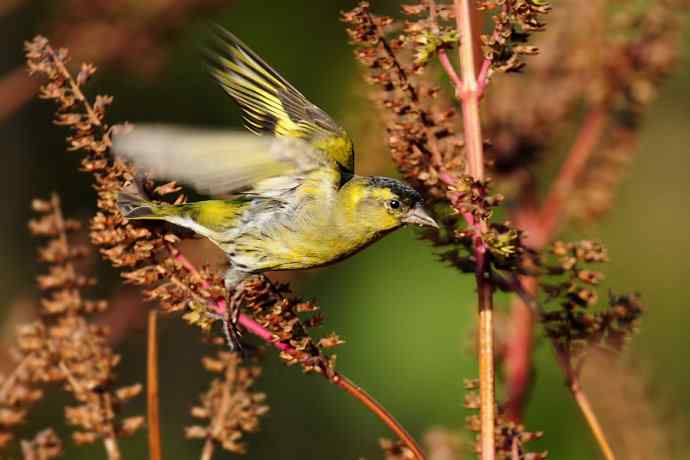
x: 418, y: 216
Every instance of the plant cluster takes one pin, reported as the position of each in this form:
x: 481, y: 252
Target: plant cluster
x: 63, y: 347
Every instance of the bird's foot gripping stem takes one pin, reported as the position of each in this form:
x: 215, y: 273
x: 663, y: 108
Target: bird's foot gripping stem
x: 231, y: 323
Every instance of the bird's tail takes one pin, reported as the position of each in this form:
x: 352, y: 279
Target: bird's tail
x: 134, y: 206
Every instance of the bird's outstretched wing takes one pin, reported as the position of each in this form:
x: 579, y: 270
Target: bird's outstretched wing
x: 303, y: 143
x: 271, y: 104
x: 218, y: 162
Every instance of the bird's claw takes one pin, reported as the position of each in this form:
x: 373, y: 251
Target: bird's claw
x: 231, y: 324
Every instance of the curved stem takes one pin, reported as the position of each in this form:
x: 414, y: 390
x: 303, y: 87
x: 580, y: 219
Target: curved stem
x: 336, y: 377
x: 587, y: 139
x: 526, y: 294
x: 585, y: 407
x: 152, y: 405
x: 380, y: 411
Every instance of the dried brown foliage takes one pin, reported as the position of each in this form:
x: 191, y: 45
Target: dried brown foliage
x: 229, y: 406
x: 511, y: 437
x: 65, y: 348
x: 577, y: 326
x: 44, y: 446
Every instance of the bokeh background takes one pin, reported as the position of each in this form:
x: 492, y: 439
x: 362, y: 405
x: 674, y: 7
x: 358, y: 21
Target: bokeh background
x: 407, y: 319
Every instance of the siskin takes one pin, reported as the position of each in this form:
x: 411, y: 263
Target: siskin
x: 295, y: 199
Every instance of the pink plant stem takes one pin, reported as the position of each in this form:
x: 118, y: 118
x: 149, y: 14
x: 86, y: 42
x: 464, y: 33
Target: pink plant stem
x: 518, y: 355
x: 483, y: 78
x: 219, y: 307
x: 541, y: 227
x: 450, y: 70
x: 336, y: 378
x: 588, y: 138
x: 467, y: 17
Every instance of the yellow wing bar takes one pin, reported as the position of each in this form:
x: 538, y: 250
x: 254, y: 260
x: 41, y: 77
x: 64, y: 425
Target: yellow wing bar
x: 270, y: 103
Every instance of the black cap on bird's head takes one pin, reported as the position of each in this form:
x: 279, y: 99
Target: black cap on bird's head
x: 403, y: 201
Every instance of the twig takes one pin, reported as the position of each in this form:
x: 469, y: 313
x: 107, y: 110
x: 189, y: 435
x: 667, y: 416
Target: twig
x: 587, y: 139
x: 109, y: 440
x: 540, y: 231
x: 469, y: 90
x: 486, y: 361
x: 152, y: 402
x: 9, y: 381
x: 336, y: 378
x: 216, y: 424
x: 76, y: 90
x: 442, y: 55
x: 450, y: 70
x: 111, y: 447
x: 585, y: 406
x: 526, y: 294
x: 466, y: 17
x: 518, y: 354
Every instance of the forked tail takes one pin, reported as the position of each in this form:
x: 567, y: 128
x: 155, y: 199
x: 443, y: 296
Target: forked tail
x: 134, y: 206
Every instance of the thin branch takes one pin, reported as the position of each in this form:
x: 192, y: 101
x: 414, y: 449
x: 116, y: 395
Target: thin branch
x: 109, y: 440
x: 9, y: 381
x: 76, y: 90
x: 518, y: 364
x: 336, y: 377
x: 450, y: 70
x: 467, y: 18
x: 111, y: 447
x: 152, y: 393
x: 483, y: 78
x: 584, y: 405
x: 590, y: 133
x: 216, y: 424
x: 526, y: 294
x: 469, y: 90
x: 464, y: 13
x: 442, y: 54
x: 541, y: 226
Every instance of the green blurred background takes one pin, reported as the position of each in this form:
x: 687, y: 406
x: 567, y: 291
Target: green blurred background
x: 407, y: 320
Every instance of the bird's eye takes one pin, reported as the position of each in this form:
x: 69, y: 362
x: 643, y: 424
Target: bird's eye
x: 394, y: 204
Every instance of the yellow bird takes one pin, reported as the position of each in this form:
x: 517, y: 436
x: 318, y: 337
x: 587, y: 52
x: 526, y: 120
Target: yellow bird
x: 296, y: 201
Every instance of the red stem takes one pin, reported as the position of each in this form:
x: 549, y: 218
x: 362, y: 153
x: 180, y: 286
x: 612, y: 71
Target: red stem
x: 552, y: 210
x: 336, y: 378
x: 541, y: 227
x: 468, y: 18
x: 450, y: 70
x: 518, y: 357
x: 152, y: 389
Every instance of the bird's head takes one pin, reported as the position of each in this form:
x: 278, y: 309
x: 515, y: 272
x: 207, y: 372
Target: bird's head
x: 383, y: 203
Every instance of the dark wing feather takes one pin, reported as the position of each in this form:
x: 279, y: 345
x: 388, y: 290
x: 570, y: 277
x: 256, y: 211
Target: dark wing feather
x: 271, y: 104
